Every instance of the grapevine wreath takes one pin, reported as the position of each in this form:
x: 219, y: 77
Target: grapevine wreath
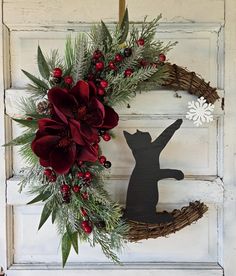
x: 70, y: 109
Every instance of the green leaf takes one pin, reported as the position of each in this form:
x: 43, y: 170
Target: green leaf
x: 35, y: 80
x: 41, y: 197
x: 54, y: 215
x: 65, y: 248
x: 27, y: 123
x: 69, y: 52
x: 124, y: 27
x: 21, y: 140
x: 47, y: 210
x: 42, y: 65
x: 106, y: 34
x: 74, y: 241
x: 73, y: 238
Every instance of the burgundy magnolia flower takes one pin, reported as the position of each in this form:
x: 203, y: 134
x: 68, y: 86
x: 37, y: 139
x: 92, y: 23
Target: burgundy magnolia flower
x: 59, y: 147
x: 72, y: 133
x: 80, y: 108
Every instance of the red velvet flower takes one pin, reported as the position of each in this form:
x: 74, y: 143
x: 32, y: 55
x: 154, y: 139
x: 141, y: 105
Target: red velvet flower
x: 58, y: 147
x: 80, y: 105
x: 72, y: 133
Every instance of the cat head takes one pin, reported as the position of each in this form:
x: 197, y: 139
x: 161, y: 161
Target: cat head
x: 138, y: 139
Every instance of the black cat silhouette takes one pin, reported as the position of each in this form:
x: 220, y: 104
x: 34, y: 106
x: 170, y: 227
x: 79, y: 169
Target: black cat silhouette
x: 142, y: 194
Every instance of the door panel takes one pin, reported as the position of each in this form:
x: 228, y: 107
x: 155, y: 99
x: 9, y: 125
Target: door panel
x: 198, y: 152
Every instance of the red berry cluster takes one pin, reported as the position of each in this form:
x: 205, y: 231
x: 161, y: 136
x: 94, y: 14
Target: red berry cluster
x: 57, y: 77
x: 86, y: 226
x: 50, y: 174
x: 102, y: 159
x: 66, y: 193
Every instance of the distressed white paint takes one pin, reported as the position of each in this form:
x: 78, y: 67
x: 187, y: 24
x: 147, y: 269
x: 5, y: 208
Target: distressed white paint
x: 29, y: 248
x: 203, y: 41
x: 189, y: 189
x: 18, y: 14
x: 230, y: 144
x: 201, y: 48
x: 3, y: 232
x: 136, y: 269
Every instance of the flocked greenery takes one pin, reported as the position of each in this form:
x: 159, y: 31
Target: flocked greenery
x: 109, y: 230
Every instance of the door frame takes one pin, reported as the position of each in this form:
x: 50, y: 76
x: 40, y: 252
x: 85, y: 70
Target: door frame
x: 229, y: 178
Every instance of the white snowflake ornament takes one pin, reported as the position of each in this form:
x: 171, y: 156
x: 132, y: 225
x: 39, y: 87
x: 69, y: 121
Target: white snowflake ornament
x: 200, y: 111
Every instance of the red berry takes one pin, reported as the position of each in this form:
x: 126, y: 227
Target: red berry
x: 106, y: 137
x: 143, y: 63
x: 101, y: 91
x: 29, y: 118
x: 68, y: 80
x: 103, y: 83
x: 85, y: 195
x: 87, y: 175
x: 84, y: 212
x: 162, y: 57
x: 65, y: 188
x: 85, y: 223
x: 140, y: 42
x: 52, y: 178
x: 80, y: 175
x: 118, y: 57
x: 97, y: 54
x: 112, y: 65
x: 48, y: 172
x: 128, y: 72
x: 99, y: 66
x: 88, y: 229
x: 76, y: 188
x: 57, y: 72
x: 102, y: 159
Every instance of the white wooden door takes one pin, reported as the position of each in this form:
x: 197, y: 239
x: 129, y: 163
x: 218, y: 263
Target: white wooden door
x: 206, y: 32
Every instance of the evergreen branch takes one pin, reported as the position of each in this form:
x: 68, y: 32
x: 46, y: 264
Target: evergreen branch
x: 27, y: 105
x: 28, y: 155
x: 133, y: 60
x: 37, y: 92
x: 54, y: 60
x: 96, y: 37
x: 82, y: 61
x: 69, y: 53
x: 124, y: 89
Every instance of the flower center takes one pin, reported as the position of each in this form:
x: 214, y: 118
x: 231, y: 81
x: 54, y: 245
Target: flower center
x: 82, y: 112
x: 64, y: 142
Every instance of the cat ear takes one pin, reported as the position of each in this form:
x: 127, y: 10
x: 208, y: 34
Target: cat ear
x: 128, y: 136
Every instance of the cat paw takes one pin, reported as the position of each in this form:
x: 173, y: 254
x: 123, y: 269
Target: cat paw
x: 179, y: 122
x: 179, y: 175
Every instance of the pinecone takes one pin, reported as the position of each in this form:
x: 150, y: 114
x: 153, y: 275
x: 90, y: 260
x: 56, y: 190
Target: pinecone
x: 43, y: 107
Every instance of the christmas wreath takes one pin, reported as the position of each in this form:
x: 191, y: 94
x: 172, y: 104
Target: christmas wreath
x: 70, y: 109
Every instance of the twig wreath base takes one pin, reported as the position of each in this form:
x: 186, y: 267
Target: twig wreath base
x: 181, y: 79
x: 182, y: 218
